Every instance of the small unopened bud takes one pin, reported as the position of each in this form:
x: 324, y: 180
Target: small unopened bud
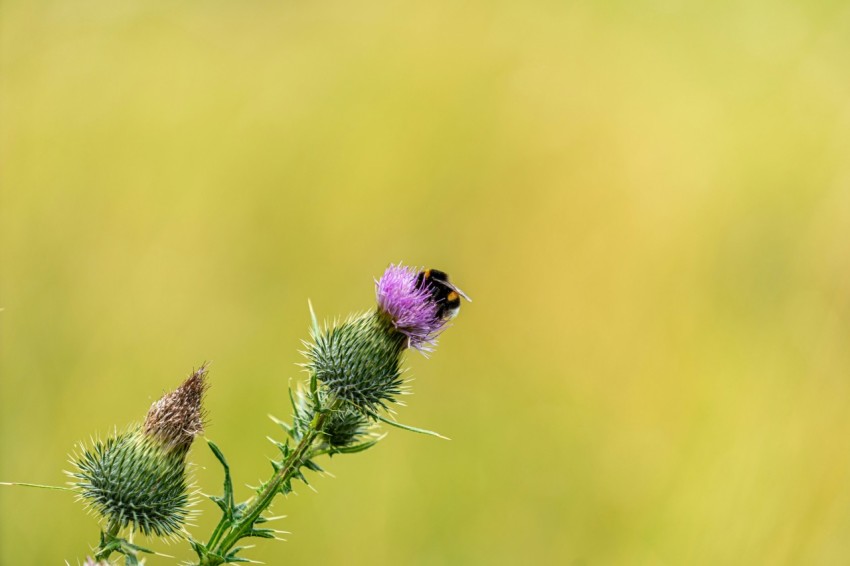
x: 345, y: 425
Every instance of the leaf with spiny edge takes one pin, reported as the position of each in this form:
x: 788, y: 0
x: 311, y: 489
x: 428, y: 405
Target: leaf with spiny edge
x: 314, y: 322
x: 282, y: 446
x: 225, y: 501
x: 125, y: 547
x: 390, y: 422
x: 262, y: 519
x: 261, y: 533
x: 357, y: 447
x: 298, y: 474
x: 199, y: 547
x: 314, y: 388
x: 233, y: 559
x: 289, y: 429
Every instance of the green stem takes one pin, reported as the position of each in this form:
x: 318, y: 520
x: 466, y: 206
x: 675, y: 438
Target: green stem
x: 262, y: 501
x: 106, y: 541
x: 219, y: 530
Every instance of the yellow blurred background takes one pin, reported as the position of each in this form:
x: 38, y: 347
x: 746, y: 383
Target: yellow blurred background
x: 649, y: 202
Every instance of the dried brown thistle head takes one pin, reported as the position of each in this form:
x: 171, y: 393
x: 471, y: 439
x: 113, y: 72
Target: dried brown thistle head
x: 178, y: 417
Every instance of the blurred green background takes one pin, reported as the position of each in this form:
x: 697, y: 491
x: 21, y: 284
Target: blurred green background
x: 649, y: 202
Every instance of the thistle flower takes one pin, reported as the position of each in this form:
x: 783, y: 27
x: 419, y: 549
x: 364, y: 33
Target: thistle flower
x: 419, y: 303
x: 138, y: 478
x: 359, y: 361
x: 410, y: 305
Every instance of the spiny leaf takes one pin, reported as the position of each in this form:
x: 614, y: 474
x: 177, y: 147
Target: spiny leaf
x: 261, y: 533
x: 225, y: 502
x: 263, y: 519
x: 358, y: 447
x: 383, y: 419
x: 313, y: 320
x: 283, y: 424
x: 232, y: 558
x: 37, y: 485
x: 199, y: 548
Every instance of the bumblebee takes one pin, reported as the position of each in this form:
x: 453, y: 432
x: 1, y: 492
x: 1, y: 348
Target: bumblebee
x: 445, y: 294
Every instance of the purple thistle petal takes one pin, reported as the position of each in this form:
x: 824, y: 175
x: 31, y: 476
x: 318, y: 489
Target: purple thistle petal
x: 412, y: 310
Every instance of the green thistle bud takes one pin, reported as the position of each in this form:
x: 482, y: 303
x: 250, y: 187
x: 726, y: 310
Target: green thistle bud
x: 138, y: 478
x: 359, y: 361
x: 344, y: 427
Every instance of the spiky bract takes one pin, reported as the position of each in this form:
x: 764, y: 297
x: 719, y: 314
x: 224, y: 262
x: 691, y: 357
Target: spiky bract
x: 134, y: 479
x: 359, y: 360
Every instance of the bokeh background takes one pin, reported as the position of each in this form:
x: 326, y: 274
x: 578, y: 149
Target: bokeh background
x: 649, y: 202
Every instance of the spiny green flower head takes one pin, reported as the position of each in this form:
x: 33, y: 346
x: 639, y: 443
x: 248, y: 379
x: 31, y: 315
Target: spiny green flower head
x: 138, y: 478
x: 344, y: 427
x: 359, y: 361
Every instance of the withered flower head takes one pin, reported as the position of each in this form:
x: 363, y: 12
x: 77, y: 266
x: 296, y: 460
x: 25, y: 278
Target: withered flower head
x: 178, y: 417
x: 138, y: 478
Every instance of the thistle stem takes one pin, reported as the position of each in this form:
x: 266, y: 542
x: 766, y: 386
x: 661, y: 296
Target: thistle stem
x: 261, y: 502
x: 219, y: 530
x: 106, y: 547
